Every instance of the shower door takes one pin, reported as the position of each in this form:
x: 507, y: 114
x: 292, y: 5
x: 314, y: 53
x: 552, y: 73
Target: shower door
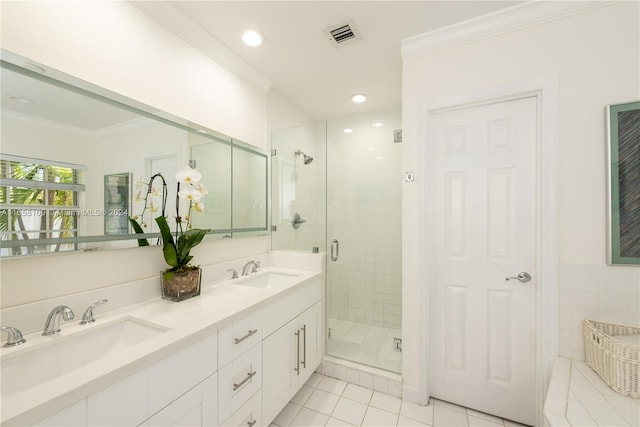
x: 364, y: 240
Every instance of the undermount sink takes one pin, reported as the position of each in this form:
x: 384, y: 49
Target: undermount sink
x: 63, y: 354
x: 268, y: 279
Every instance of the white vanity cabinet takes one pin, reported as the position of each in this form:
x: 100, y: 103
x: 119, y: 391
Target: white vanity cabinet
x: 176, y: 390
x: 292, y: 352
x: 218, y: 379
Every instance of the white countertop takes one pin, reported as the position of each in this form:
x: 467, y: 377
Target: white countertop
x: 188, y: 321
x: 577, y: 396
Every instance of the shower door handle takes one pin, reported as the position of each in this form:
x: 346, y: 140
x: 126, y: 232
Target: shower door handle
x: 335, y: 249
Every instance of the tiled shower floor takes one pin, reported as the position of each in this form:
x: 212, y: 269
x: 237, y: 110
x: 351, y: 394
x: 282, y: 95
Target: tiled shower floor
x: 326, y: 401
x: 364, y: 344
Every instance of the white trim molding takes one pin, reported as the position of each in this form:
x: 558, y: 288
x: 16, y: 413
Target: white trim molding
x: 502, y: 21
x: 546, y: 92
x: 167, y: 15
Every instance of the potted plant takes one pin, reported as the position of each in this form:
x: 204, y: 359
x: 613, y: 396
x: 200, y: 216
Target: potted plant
x: 182, y: 279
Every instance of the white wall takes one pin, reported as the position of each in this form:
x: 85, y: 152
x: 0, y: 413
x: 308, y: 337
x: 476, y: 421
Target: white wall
x: 281, y: 114
x: 595, y: 58
x: 113, y: 44
x: 116, y: 46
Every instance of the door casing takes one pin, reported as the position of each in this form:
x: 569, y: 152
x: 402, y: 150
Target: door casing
x: 546, y: 92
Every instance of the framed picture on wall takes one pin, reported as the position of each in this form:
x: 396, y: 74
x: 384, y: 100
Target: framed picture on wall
x: 117, y: 203
x: 623, y: 160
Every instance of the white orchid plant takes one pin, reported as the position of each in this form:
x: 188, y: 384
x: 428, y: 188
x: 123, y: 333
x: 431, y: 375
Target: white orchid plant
x: 175, y: 246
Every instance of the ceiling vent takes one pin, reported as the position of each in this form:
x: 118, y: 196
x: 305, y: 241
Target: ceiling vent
x: 342, y: 34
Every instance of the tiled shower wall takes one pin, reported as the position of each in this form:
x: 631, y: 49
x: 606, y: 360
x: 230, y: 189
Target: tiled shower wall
x: 299, y: 188
x: 597, y: 292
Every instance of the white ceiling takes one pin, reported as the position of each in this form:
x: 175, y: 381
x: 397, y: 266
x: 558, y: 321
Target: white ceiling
x: 306, y: 68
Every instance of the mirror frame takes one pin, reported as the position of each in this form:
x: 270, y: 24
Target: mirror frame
x: 10, y: 61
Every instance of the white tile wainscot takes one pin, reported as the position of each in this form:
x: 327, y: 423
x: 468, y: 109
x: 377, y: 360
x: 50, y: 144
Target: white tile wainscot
x: 577, y: 396
x: 190, y: 374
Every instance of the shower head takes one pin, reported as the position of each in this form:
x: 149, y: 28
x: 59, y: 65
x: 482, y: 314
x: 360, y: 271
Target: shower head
x: 307, y: 159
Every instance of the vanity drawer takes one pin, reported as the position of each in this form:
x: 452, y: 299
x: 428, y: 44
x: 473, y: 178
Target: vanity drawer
x: 238, y: 381
x: 239, y: 337
x: 249, y: 414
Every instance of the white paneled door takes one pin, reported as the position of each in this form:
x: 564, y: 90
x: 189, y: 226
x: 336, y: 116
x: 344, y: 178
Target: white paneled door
x: 482, y: 223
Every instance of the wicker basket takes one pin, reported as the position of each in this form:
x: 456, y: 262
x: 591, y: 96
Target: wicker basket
x: 617, y: 362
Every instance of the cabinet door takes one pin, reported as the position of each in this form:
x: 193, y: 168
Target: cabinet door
x: 280, y: 379
x: 186, y: 411
x: 210, y: 401
x: 309, y: 324
x: 125, y: 403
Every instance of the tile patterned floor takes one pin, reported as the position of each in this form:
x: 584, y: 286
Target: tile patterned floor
x: 326, y: 401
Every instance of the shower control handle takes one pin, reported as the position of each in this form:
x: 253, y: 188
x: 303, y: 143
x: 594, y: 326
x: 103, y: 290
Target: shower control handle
x: 297, y: 221
x: 335, y: 249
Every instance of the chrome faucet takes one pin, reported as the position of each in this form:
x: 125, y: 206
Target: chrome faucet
x: 14, y: 338
x: 52, y: 325
x: 254, y: 267
x: 234, y: 273
x: 87, y: 317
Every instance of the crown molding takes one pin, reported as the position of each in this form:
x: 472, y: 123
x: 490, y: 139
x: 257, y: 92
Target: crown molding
x: 499, y: 22
x: 183, y: 27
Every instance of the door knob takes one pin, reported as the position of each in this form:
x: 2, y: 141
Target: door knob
x: 524, y: 277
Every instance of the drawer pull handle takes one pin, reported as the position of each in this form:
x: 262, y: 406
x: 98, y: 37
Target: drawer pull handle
x: 244, y: 381
x: 249, y: 333
x: 252, y: 423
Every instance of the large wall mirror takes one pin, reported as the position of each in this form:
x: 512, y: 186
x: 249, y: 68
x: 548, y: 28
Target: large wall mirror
x: 77, y: 160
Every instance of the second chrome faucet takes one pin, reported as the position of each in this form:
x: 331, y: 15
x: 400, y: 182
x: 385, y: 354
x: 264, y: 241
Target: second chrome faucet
x: 52, y: 324
x: 250, y: 267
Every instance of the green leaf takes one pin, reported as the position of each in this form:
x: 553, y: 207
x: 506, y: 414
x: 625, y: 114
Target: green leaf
x: 168, y: 246
x: 138, y: 230
x: 170, y: 255
x: 187, y: 241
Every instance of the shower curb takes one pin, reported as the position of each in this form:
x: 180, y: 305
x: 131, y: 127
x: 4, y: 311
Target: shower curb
x: 362, y: 375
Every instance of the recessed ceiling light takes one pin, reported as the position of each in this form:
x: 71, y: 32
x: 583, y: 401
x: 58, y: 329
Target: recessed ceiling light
x: 252, y: 38
x: 377, y: 125
x: 348, y: 130
x: 359, y: 98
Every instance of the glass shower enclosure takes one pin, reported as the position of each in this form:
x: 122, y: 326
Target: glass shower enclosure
x: 336, y: 186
